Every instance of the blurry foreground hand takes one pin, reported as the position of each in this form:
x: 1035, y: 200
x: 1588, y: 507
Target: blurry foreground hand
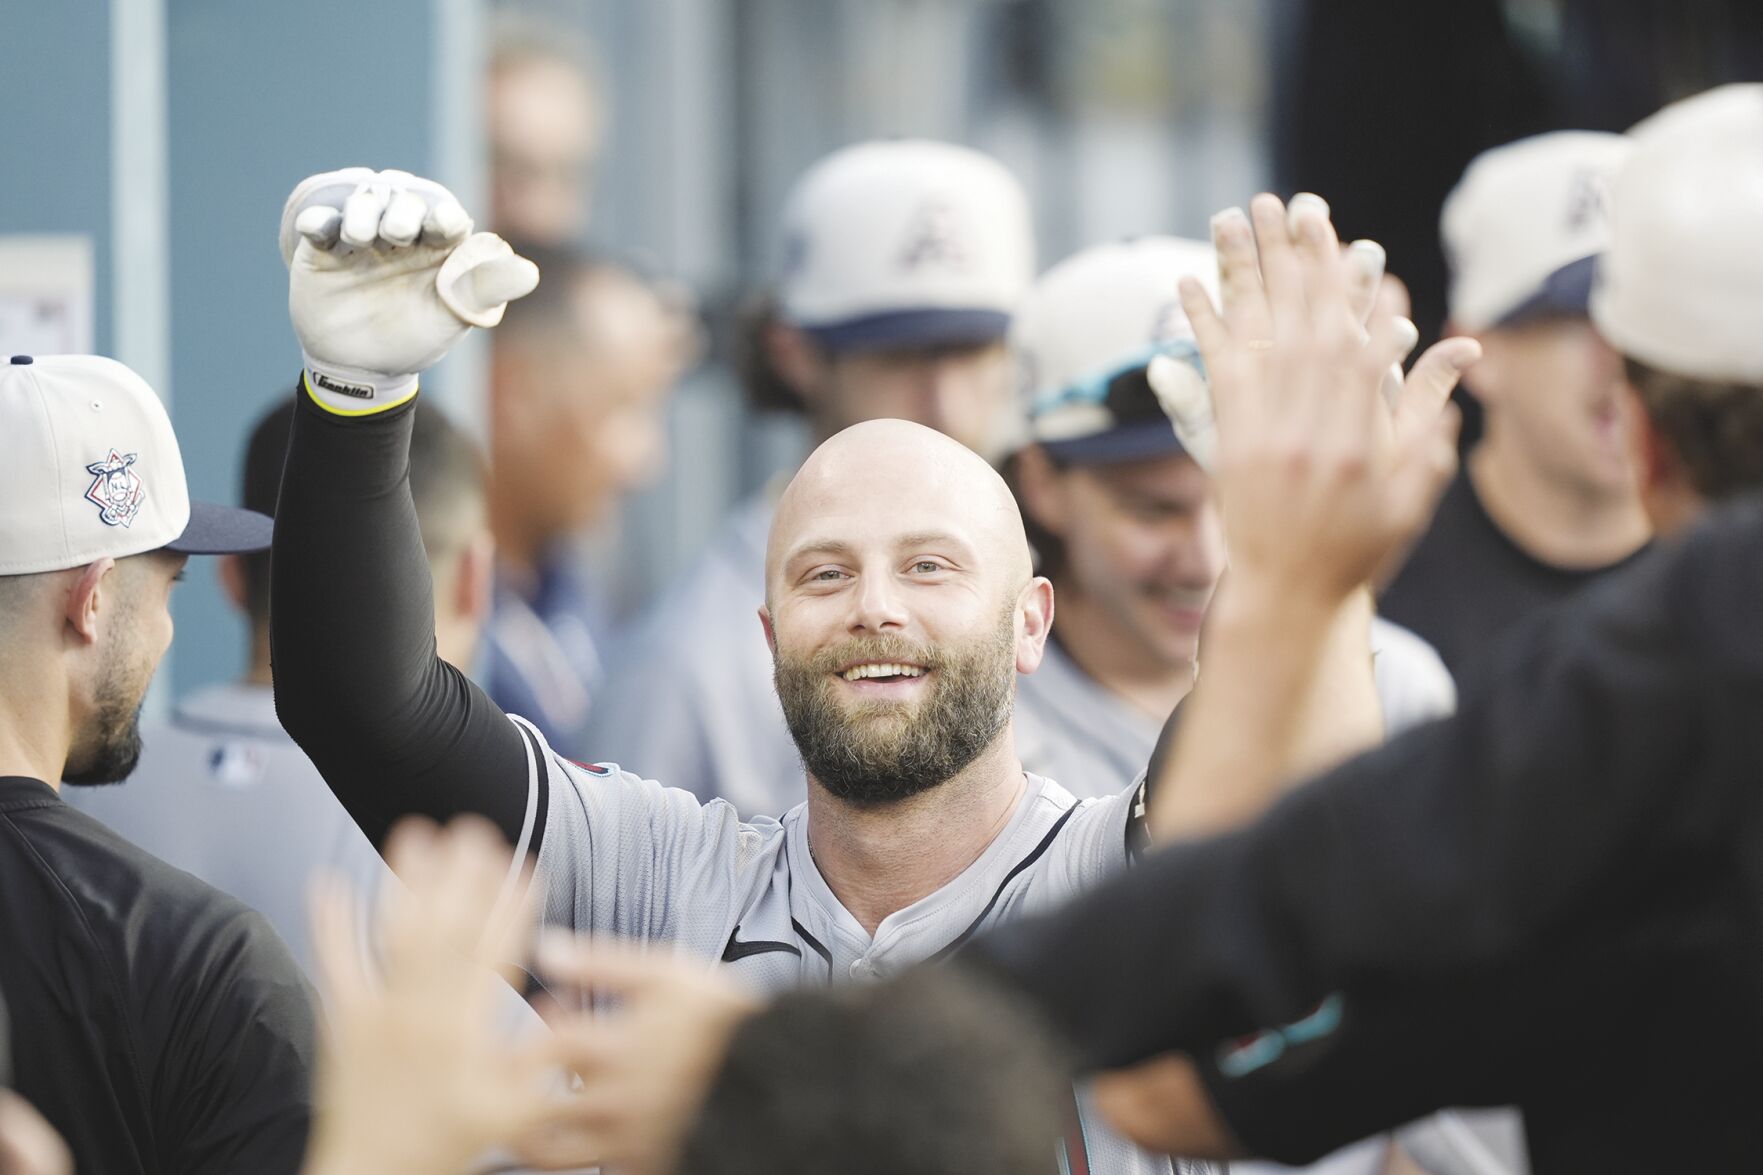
x: 646, y: 1063
x: 419, y: 1073
x: 28, y: 1144
x: 1320, y: 478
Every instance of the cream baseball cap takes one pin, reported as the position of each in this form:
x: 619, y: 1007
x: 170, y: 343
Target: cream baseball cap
x: 1084, y: 336
x: 89, y: 468
x: 905, y: 243
x: 1524, y: 226
x: 1681, y: 287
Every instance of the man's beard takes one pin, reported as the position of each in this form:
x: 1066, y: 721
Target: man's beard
x: 110, y: 746
x: 881, y: 751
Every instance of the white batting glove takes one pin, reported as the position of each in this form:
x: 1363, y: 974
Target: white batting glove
x: 1180, y: 383
x: 384, y: 275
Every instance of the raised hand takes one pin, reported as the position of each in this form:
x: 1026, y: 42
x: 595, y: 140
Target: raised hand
x: 419, y: 1073
x: 645, y: 1065
x: 1180, y: 382
x: 384, y: 276
x: 1319, y: 480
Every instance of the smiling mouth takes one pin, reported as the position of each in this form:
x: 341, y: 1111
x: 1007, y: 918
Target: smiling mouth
x: 884, y: 671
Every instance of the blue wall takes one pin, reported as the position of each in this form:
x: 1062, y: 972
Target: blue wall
x: 55, y: 129
x: 259, y: 96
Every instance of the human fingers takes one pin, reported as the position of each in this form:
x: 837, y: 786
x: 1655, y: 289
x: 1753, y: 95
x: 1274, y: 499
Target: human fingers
x: 1325, y: 270
x: 332, y: 905
x: 362, y: 212
x: 1282, y: 275
x: 1365, y: 273
x: 1429, y: 383
x: 1242, y: 300
x: 401, y: 222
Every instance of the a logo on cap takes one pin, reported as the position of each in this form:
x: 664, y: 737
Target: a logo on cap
x: 116, y: 489
x: 1588, y: 200
x: 936, y: 237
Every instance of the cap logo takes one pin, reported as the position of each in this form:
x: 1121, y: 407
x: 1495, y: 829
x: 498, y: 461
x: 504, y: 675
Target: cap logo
x: 116, y: 489
x: 935, y: 237
x: 1586, y: 203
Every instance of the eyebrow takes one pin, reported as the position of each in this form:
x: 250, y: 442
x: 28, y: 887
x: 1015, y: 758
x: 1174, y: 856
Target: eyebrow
x: 839, y: 548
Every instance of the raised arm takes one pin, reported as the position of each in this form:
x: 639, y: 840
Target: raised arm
x: 384, y: 276
x: 1319, y: 479
x: 1607, y: 747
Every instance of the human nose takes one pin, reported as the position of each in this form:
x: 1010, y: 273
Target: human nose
x: 877, y: 606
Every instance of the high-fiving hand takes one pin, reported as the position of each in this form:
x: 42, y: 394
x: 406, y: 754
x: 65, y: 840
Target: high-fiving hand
x: 384, y: 275
x: 1319, y: 478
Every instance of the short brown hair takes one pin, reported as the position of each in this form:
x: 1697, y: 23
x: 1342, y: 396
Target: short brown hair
x: 1715, y: 428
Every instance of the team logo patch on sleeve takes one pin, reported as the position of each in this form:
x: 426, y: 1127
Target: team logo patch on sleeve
x: 116, y: 489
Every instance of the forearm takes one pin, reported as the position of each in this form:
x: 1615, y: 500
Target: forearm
x: 1250, y: 720
x: 393, y: 729
x: 1341, y: 714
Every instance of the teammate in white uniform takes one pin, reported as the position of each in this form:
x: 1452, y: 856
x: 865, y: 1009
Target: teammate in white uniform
x: 903, y: 261
x: 1124, y: 521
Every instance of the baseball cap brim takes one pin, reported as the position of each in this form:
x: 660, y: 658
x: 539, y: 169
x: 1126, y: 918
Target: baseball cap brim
x: 1565, y: 293
x: 1138, y: 441
x: 901, y: 329
x: 222, y: 530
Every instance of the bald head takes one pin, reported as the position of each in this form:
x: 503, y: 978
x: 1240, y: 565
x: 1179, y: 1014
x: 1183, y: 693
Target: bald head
x: 893, y: 477
x: 901, y: 605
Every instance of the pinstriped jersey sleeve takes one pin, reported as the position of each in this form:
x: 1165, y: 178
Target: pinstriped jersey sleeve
x: 623, y: 855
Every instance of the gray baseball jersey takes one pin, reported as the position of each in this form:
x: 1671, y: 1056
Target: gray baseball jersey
x: 623, y: 855
x: 1072, y: 728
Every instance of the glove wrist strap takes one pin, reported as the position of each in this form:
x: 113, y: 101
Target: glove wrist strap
x: 346, y: 391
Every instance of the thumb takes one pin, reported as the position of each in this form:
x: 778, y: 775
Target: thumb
x: 481, y: 276
x: 1430, y: 381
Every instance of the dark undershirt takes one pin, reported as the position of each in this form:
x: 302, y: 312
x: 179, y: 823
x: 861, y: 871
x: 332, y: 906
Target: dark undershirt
x: 394, y: 730
x: 1467, y: 583
x: 159, y: 1025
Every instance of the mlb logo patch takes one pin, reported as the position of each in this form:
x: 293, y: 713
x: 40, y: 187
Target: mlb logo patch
x: 116, y: 489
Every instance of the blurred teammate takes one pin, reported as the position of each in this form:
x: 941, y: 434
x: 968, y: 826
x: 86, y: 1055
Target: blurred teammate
x: 221, y: 790
x: 580, y: 372
x: 1546, y: 502
x: 157, y: 1024
x: 1551, y: 897
x: 545, y: 120
x: 903, y: 262
x: 1125, y: 524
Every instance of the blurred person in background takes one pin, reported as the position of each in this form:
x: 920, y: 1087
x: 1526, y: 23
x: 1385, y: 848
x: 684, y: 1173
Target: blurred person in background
x: 1547, y: 500
x: 221, y: 790
x: 580, y: 373
x: 545, y: 119
x: 903, y: 262
x: 1125, y: 524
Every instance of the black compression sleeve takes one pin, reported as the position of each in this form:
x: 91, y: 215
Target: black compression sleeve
x: 393, y: 729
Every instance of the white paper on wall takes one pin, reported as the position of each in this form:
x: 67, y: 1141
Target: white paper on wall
x: 45, y: 294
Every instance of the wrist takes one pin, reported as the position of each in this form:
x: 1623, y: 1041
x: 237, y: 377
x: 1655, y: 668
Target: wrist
x: 1249, y: 601
x: 345, y: 391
